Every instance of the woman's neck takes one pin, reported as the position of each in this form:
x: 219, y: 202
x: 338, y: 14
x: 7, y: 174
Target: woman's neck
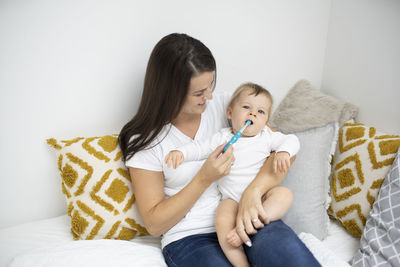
x: 188, y: 124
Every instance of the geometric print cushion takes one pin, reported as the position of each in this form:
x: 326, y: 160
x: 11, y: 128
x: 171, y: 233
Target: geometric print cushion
x: 380, y: 241
x: 98, y: 189
x: 362, y: 160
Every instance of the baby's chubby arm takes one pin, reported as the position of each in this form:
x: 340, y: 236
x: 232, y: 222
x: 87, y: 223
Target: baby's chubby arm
x: 196, y: 150
x: 286, y: 146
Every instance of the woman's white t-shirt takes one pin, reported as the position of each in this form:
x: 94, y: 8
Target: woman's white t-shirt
x: 200, y: 218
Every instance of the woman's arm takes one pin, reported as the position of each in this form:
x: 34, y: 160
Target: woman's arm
x: 159, y: 214
x: 250, y: 206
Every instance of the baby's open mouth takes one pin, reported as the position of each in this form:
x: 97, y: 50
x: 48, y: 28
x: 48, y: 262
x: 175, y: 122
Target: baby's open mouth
x: 251, y: 122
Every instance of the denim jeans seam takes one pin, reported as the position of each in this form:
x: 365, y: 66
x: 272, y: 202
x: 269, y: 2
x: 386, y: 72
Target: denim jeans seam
x: 170, y: 258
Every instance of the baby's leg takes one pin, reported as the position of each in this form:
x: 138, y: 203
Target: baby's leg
x: 277, y: 202
x: 225, y: 222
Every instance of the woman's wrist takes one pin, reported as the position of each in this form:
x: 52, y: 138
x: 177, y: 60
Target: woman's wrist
x: 201, y: 180
x: 254, y: 190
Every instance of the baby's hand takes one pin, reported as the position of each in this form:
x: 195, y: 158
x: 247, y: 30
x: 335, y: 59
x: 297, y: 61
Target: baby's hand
x: 174, y: 158
x: 281, y: 162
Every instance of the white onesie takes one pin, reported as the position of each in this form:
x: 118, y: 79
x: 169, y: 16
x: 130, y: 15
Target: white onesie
x: 250, y: 154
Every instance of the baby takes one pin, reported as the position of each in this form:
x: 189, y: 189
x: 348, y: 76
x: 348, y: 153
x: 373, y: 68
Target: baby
x: 249, y: 102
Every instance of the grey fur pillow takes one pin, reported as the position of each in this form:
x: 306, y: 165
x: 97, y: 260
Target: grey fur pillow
x: 304, y: 107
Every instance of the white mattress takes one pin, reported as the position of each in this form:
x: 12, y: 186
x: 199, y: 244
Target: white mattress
x: 341, y: 242
x: 49, y: 243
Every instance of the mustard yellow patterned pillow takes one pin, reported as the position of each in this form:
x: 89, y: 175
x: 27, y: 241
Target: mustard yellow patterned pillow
x: 97, y: 188
x: 362, y: 159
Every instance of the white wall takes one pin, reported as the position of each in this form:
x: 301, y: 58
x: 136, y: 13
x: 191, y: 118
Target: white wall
x: 362, y: 63
x: 75, y: 68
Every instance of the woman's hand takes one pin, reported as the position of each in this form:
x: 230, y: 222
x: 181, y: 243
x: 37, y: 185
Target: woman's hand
x: 217, y: 165
x: 251, y: 215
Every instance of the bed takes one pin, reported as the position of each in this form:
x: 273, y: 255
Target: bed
x: 49, y: 243
x: 99, y: 229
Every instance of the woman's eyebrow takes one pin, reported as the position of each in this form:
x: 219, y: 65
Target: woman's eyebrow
x: 199, y: 91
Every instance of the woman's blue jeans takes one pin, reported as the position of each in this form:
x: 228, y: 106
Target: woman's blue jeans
x: 274, y: 245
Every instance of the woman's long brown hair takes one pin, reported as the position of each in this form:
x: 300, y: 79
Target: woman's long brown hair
x: 175, y: 59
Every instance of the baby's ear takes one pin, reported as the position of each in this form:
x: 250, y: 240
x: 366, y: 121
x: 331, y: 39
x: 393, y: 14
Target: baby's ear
x: 229, y: 113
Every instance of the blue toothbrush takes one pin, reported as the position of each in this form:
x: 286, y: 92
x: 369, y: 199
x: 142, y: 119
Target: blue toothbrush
x: 236, y: 136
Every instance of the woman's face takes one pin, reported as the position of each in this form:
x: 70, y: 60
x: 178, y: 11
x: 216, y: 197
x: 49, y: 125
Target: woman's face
x: 200, y: 90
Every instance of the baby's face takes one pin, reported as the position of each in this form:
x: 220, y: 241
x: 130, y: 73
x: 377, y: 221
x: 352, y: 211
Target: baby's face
x: 250, y: 107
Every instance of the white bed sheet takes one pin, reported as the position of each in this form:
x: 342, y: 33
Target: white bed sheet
x: 49, y: 243
x: 341, y: 242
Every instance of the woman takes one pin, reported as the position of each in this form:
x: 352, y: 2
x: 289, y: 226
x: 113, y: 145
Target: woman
x: 177, y: 107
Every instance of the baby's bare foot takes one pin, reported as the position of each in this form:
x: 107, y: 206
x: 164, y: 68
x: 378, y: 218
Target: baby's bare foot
x: 233, y: 239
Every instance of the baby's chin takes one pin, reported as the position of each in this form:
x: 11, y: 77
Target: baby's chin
x: 248, y: 134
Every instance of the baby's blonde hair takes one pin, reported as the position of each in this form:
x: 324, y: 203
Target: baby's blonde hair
x: 254, y: 89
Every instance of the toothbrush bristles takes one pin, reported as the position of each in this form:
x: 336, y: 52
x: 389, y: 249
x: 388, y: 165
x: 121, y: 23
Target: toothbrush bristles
x: 248, y: 122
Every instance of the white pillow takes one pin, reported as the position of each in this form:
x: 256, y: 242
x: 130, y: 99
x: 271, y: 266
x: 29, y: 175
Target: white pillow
x: 308, y: 179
